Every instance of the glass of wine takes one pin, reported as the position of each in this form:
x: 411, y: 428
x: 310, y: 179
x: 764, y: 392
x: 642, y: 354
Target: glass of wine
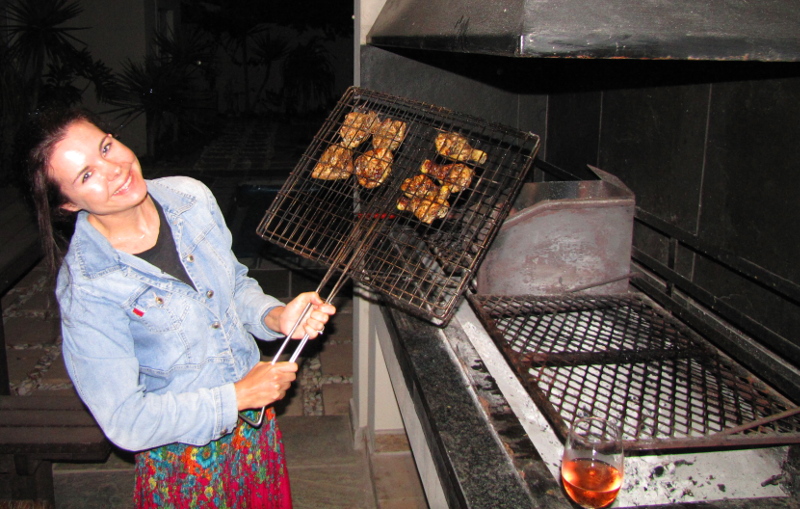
x: 593, y: 463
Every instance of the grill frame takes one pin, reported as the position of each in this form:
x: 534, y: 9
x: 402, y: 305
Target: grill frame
x: 673, y: 342
x: 422, y: 268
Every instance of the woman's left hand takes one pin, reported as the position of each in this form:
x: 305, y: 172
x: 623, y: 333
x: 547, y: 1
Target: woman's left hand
x: 282, y: 319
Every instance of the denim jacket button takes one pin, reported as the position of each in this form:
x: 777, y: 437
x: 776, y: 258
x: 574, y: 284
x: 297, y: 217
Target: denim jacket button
x: 190, y: 258
x: 215, y: 325
x: 210, y: 294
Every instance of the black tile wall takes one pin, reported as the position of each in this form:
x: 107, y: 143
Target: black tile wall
x: 652, y: 139
x: 752, y: 186
x: 573, y: 130
x: 485, y: 87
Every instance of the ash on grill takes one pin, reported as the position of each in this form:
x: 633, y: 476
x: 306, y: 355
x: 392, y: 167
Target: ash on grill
x: 348, y: 202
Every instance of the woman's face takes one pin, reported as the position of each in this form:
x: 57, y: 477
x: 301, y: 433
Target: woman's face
x: 95, y: 172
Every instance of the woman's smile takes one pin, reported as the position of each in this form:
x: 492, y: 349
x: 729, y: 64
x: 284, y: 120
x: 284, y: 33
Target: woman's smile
x: 125, y: 185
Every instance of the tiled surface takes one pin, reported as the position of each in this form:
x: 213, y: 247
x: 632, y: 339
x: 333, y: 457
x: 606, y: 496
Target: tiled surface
x: 326, y: 471
x: 395, y: 488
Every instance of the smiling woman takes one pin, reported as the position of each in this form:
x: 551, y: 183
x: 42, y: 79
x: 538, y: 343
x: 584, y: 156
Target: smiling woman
x: 158, y: 320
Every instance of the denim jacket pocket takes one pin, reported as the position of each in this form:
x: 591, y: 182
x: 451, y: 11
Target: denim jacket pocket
x: 158, y: 311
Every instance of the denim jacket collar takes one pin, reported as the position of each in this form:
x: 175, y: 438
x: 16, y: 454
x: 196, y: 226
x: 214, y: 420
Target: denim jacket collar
x: 94, y: 252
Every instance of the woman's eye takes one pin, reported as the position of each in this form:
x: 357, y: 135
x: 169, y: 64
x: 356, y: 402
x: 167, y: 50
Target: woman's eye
x: 86, y: 176
x: 106, y: 148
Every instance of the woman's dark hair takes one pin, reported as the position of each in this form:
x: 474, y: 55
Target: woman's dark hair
x: 36, y: 141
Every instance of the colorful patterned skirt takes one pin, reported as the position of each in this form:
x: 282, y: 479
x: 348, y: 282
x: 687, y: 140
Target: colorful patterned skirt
x: 244, y: 469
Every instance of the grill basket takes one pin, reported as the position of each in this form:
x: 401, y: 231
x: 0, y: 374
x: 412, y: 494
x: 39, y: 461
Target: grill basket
x: 422, y: 266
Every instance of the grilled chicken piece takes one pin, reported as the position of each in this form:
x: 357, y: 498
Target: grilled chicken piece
x: 458, y: 176
x: 427, y: 208
x: 389, y: 134
x: 357, y: 126
x: 419, y: 185
x: 424, y: 198
x: 373, y: 166
x: 454, y: 146
x: 334, y: 164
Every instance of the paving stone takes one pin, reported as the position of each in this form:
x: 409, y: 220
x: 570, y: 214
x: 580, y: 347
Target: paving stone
x: 94, y: 489
x: 9, y: 299
x: 336, y: 398
x: 391, y: 442
x: 292, y: 404
x: 43, y: 301
x: 22, y: 362
x: 36, y: 277
x: 397, y: 482
x: 323, y: 441
x: 56, y: 374
x: 31, y: 331
x: 337, y: 359
x: 340, y: 326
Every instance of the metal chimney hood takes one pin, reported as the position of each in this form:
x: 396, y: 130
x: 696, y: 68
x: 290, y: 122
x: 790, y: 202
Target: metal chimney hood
x: 735, y: 30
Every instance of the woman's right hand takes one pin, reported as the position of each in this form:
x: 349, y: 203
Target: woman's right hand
x: 266, y: 383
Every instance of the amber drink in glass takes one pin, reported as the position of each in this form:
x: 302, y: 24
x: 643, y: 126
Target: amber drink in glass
x: 593, y: 463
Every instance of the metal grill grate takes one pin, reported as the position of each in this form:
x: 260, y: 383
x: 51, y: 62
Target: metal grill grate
x: 353, y: 225
x: 624, y: 357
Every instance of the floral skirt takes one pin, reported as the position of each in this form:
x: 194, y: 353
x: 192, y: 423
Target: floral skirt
x: 244, y: 469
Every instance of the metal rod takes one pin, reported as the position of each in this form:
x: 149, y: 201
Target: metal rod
x: 630, y: 275
x: 760, y: 422
x: 357, y: 251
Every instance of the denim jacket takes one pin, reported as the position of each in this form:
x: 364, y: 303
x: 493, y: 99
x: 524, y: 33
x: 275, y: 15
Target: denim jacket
x: 153, y: 358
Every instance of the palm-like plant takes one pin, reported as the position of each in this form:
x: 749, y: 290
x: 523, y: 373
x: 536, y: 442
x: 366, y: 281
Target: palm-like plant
x: 309, y: 77
x: 37, y: 36
x: 40, y: 61
x: 160, y: 87
x: 266, y: 51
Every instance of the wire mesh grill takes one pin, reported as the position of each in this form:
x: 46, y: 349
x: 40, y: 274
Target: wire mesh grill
x: 624, y: 358
x: 419, y: 246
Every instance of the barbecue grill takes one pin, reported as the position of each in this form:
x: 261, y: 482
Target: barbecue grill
x: 712, y: 247
x: 625, y: 358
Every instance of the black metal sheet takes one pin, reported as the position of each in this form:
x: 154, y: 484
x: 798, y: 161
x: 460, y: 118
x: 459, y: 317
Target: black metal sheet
x: 676, y: 29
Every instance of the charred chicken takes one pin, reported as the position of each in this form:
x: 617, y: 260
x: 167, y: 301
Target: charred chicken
x: 423, y: 198
x: 456, y: 147
x: 334, y: 164
x: 389, y: 134
x: 357, y: 127
x: 426, y: 208
x: 457, y: 175
x: 418, y: 185
x: 373, y: 167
